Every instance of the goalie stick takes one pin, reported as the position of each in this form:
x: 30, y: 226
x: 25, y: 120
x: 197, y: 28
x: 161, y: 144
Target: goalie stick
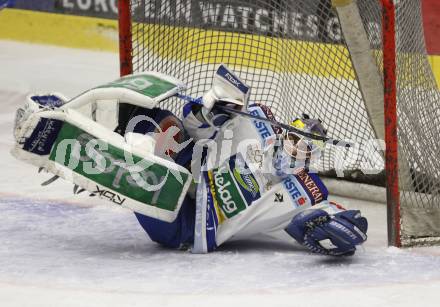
x: 272, y: 122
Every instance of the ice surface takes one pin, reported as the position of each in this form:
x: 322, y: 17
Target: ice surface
x: 57, y: 249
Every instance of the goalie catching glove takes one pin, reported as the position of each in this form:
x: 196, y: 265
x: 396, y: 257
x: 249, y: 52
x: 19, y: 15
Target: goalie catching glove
x: 227, y: 90
x: 322, y: 233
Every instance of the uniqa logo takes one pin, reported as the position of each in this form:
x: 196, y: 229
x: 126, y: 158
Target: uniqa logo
x: 228, y: 204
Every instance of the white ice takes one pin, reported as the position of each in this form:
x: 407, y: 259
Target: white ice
x: 57, y: 249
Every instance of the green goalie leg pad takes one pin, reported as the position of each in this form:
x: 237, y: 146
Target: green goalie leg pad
x: 149, y: 185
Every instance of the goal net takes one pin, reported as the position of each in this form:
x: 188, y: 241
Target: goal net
x: 320, y: 57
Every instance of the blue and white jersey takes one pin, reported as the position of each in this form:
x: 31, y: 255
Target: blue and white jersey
x: 239, y: 194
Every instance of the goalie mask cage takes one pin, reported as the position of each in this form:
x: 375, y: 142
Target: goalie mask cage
x: 360, y: 66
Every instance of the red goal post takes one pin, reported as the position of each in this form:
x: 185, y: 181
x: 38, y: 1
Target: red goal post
x: 125, y: 37
x: 390, y: 107
x: 341, y: 60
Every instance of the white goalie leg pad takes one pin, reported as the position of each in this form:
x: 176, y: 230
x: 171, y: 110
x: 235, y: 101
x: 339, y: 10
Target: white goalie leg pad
x: 126, y: 172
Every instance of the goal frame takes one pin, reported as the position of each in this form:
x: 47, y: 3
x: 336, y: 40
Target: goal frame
x: 390, y: 117
x: 389, y: 94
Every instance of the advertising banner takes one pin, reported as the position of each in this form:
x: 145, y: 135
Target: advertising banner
x: 299, y: 20
x: 95, y: 8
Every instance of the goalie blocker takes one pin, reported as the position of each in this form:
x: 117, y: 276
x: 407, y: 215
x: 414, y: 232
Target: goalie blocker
x: 64, y: 138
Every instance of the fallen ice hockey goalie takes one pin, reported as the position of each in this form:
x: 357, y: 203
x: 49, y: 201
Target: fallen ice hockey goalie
x: 193, y: 182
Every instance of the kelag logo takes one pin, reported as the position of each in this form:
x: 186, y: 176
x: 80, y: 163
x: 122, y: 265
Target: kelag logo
x: 225, y: 192
x: 233, y: 186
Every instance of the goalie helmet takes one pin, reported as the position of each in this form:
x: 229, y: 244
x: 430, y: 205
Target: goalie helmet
x: 300, y: 147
